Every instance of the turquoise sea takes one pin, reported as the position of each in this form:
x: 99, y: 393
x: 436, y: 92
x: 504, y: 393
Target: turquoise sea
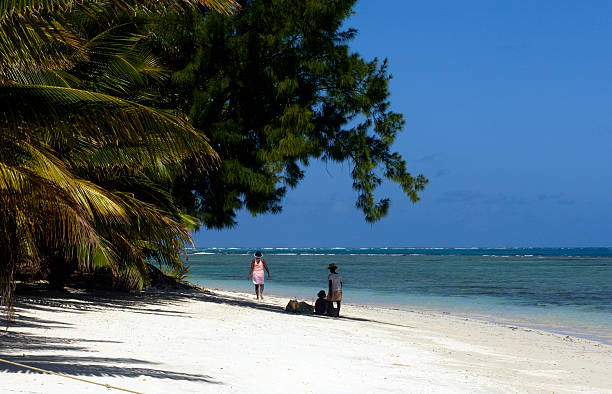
x: 563, y: 290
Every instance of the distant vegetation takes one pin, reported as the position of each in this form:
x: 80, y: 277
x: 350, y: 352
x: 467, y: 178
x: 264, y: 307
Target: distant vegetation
x: 126, y: 124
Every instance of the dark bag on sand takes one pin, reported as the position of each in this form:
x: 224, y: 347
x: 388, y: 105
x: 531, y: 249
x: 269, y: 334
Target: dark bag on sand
x: 295, y: 306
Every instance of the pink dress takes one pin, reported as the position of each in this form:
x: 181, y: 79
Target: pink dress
x: 258, y: 272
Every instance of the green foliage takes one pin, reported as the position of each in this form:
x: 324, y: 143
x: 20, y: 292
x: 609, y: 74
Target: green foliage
x: 85, y: 162
x: 101, y: 169
x: 274, y: 87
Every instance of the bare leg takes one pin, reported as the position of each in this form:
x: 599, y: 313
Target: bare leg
x: 257, y: 291
x: 338, y: 311
x: 261, y: 291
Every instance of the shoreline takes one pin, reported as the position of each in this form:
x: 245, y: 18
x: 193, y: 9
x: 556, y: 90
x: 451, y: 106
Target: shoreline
x: 225, y: 341
x: 473, y: 314
x: 554, y: 293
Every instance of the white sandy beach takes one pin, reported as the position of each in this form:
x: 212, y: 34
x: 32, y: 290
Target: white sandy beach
x: 222, y: 342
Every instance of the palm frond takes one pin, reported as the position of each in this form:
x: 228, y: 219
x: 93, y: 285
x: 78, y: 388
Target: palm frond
x: 38, y: 35
x: 191, y: 222
x: 102, y: 118
x: 63, y: 134
x: 149, y: 219
x: 39, y: 213
x: 35, y: 44
x: 42, y: 164
x: 127, y: 74
x: 10, y: 8
x: 104, y: 256
x: 52, y: 77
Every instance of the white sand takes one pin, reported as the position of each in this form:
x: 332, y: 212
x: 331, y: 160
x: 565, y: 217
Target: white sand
x: 227, y: 342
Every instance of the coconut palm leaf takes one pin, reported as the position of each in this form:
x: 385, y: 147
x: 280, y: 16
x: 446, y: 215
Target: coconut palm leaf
x: 41, y: 168
x: 40, y: 34
x: 120, y: 66
x: 32, y: 44
x: 52, y: 77
x: 127, y: 75
x: 84, y: 165
x: 9, y: 8
x: 38, y: 213
x: 100, y: 117
x: 153, y: 235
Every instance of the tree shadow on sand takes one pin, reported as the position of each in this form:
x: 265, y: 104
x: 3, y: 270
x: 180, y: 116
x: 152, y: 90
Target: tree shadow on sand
x: 14, y: 343
x: 210, y: 296
x: 29, y: 349
x: 97, y: 366
x: 150, y: 302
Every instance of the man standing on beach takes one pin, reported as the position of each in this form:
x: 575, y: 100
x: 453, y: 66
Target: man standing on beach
x: 335, y: 289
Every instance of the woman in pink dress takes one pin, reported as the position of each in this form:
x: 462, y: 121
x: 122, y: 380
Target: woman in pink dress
x: 257, y: 269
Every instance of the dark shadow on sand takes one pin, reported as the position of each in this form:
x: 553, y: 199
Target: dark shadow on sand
x: 29, y: 349
x: 148, y: 302
x: 96, y: 366
x: 14, y: 344
x: 211, y: 296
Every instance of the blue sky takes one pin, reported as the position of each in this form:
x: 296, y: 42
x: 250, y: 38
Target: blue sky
x: 507, y: 109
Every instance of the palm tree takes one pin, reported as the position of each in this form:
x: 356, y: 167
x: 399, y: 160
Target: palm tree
x: 85, y: 164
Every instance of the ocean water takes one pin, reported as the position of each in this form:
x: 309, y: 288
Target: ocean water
x: 565, y: 290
